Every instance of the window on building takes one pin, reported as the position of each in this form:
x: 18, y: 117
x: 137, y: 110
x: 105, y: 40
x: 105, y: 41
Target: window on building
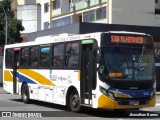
x: 9, y: 56
x: 24, y: 57
x: 62, y: 21
x: 46, y: 25
x: 57, y: 56
x: 89, y: 16
x: 46, y: 7
x: 156, y: 1
x: 66, y: 20
x: 45, y: 56
x: 101, y: 13
x: 56, y: 4
x: 33, y: 61
x: 56, y: 23
x: 72, y: 55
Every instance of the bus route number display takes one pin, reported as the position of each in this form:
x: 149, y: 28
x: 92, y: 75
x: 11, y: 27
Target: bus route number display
x: 127, y: 39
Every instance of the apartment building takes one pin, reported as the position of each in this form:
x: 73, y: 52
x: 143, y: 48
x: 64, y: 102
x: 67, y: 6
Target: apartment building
x: 57, y: 13
x: 29, y: 12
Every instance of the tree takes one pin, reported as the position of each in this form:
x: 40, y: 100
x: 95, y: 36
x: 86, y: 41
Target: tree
x: 14, y: 25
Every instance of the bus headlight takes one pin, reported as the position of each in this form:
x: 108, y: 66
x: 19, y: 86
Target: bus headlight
x: 107, y: 93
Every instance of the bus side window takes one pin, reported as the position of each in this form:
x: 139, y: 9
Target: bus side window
x: 73, y: 61
x: 72, y: 48
x: 57, y: 56
x: 33, y: 61
x: 9, y: 56
x: 24, y: 57
x: 45, y: 56
x: 72, y: 55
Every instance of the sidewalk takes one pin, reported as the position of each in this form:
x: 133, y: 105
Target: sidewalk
x: 2, y: 91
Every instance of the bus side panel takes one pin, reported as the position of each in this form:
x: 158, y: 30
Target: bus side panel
x: 45, y: 86
x: 29, y: 77
x: 63, y: 79
x: 8, y: 80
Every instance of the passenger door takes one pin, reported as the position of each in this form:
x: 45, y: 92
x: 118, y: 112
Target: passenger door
x: 86, y: 73
x: 15, y: 72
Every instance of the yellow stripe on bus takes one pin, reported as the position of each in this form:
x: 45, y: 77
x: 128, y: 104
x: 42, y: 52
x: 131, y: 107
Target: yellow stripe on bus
x: 36, y: 76
x: 8, y: 76
x: 79, y: 75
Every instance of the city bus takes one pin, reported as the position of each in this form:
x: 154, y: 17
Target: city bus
x: 102, y: 70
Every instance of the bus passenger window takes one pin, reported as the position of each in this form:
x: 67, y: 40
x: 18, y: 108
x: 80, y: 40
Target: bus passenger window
x: 72, y: 55
x: 58, y: 61
x: 73, y: 61
x: 9, y: 58
x: 72, y: 48
x: 33, y: 62
x: 45, y: 56
x: 57, y: 56
x: 24, y: 57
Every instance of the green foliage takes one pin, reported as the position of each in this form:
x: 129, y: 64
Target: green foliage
x: 14, y: 25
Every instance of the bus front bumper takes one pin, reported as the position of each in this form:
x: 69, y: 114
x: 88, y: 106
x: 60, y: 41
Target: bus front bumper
x: 105, y: 102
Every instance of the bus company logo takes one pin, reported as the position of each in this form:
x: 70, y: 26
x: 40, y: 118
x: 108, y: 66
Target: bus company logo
x: 133, y: 94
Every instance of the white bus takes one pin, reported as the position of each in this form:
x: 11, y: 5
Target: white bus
x: 109, y: 70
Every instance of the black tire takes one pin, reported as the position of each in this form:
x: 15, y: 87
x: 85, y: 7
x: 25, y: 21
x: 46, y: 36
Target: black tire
x: 74, y: 101
x: 25, y: 93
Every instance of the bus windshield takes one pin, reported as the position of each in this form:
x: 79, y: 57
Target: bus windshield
x: 127, y: 63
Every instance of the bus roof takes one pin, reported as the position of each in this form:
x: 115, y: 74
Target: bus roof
x: 65, y: 37
x: 126, y: 32
x: 53, y: 39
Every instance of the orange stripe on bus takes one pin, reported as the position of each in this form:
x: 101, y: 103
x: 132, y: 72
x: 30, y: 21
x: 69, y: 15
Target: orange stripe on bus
x: 36, y: 76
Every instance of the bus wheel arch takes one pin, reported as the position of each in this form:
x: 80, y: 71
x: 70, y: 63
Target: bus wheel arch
x: 25, y: 93
x: 73, y: 99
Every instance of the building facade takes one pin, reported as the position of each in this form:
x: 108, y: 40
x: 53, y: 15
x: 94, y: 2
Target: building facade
x: 29, y: 12
x: 57, y: 13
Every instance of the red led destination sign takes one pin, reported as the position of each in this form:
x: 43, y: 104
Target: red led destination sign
x: 127, y: 39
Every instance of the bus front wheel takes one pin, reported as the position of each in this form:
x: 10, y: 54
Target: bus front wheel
x: 25, y: 93
x: 74, y: 101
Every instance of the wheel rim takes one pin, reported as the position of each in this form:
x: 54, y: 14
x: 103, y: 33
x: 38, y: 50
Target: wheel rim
x: 75, y: 100
x: 25, y: 95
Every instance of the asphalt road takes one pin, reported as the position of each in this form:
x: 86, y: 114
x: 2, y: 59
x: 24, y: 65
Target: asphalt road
x: 11, y: 105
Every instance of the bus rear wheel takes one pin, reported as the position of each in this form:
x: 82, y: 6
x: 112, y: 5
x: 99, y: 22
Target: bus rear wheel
x: 74, y: 101
x: 25, y: 93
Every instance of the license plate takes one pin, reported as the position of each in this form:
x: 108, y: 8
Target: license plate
x: 134, y: 102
